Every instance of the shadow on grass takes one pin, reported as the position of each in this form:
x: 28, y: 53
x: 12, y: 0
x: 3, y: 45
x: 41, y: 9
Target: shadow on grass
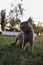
x: 13, y: 55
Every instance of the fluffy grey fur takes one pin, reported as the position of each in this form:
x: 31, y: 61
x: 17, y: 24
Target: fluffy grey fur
x: 26, y: 35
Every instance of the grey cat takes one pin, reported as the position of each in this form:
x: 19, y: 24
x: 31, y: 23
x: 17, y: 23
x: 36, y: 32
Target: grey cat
x: 26, y: 35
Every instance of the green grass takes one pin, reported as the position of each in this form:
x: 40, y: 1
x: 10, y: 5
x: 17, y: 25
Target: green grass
x: 13, y: 55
